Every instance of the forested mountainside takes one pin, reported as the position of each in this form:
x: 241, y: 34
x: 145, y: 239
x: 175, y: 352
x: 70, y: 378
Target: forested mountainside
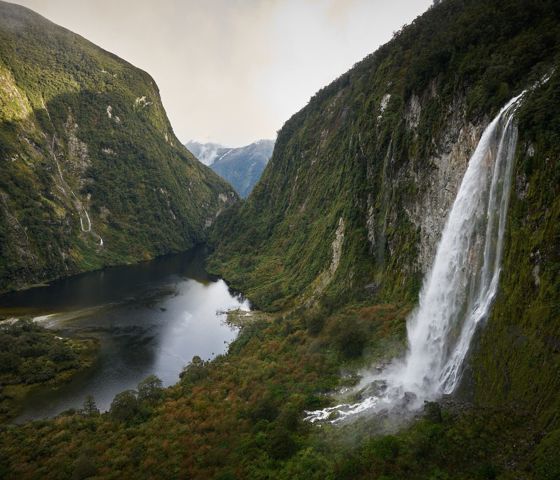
x: 373, y: 164
x: 242, y: 167
x: 91, y: 172
x: 378, y: 155
x: 332, y: 246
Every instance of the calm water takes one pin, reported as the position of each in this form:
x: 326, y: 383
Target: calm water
x: 149, y: 318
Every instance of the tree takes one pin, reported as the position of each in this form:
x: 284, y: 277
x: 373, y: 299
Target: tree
x: 124, y: 406
x: 90, y: 408
x: 60, y: 352
x: 150, y: 389
x: 84, y: 467
x: 196, y: 370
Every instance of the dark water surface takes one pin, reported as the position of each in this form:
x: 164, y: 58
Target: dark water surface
x: 149, y: 318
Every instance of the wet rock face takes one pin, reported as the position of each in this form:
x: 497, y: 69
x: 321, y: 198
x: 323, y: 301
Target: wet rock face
x: 435, y: 180
x: 413, y: 112
x: 77, y: 158
x: 439, y: 186
x: 337, y: 246
x: 374, y: 389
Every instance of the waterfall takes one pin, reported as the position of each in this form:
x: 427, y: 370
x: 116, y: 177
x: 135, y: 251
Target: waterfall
x: 459, y: 288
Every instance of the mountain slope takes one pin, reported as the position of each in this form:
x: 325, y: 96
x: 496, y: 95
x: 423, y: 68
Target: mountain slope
x: 242, y: 167
x: 336, y: 237
x: 91, y: 171
x: 378, y: 155
x: 352, y: 204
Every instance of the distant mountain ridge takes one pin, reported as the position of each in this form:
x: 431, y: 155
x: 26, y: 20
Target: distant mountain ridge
x: 242, y: 167
x: 206, y: 152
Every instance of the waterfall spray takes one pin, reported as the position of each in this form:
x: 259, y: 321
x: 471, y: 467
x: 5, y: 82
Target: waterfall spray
x: 460, y: 287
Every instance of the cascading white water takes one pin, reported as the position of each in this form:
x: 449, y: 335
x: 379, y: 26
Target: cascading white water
x: 460, y: 287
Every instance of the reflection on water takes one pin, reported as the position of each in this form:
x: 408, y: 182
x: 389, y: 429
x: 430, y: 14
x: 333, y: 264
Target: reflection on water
x: 149, y: 318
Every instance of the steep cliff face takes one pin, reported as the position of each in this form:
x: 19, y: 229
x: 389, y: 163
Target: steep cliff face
x: 382, y: 152
x: 516, y: 360
x: 384, y: 147
x: 91, y: 173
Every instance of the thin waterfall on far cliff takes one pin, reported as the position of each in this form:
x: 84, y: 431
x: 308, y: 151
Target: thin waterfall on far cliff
x: 459, y: 288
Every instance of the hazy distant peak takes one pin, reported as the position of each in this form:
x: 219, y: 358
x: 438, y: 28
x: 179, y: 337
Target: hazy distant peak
x: 241, y: 166
x: 205, y: 152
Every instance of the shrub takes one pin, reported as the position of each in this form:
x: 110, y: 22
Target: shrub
x: 348, y: 335
x: 150, y: 390
x: 547, y: 461
x: 124, y: 406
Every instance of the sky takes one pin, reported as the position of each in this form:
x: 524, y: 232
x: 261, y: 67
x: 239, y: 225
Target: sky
x: 233, y: 71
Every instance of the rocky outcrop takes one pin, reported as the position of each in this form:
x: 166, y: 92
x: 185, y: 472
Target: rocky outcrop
x: 437, y: 185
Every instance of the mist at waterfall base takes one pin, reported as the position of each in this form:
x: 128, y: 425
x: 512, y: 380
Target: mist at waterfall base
x: 458, y: 290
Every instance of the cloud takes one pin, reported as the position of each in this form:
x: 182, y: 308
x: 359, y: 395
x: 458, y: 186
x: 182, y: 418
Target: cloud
x: 233, y: 71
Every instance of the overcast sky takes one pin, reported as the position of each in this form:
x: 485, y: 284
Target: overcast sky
x: 233, y: 71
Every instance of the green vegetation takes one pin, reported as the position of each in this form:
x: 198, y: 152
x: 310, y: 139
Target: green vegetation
x: 346, y: 156
x: 131, y: 405
x: 358, y: 155
x: 241, y: 416
x: 349, y: 155
x: 240, y: 413
x: 84, y: 136
x: 516, y: 361
x: 31, y: 355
